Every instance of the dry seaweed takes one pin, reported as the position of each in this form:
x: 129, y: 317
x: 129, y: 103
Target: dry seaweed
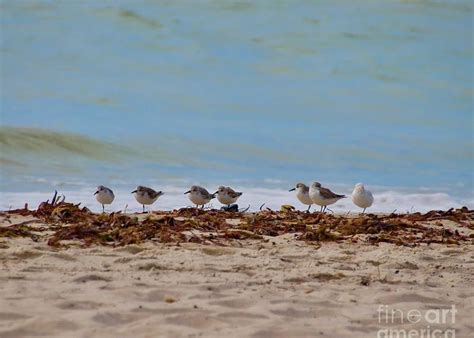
x: 17, y: 230
x: 69, y: 222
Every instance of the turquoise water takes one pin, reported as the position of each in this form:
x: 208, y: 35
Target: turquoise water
x: 257, y: 95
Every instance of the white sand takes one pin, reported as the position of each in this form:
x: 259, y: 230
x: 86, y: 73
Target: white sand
x: 279, y: 288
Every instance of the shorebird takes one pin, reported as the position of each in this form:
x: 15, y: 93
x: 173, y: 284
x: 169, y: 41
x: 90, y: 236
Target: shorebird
x: 227, y: 195
x: 104, y: 195
x: 323, y: 196
x: 361, y: 197
x: 146, y: 196
x: 199, y: 196
x: 302, y: 193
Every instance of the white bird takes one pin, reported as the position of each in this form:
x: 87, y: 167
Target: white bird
x: 199, y: 196
x: 302, y: 193
x: 323, y: 196
x: 227, y: 195
x: 104, y: 195
x: 146, y: 196
x: 361, y: 197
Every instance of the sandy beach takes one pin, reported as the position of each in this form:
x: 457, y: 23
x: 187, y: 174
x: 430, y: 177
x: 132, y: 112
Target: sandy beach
x: 270, y: 286
x: 256, y: 111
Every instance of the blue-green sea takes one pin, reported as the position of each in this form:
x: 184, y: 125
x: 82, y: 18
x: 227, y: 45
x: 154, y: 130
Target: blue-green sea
x: 258, y: 95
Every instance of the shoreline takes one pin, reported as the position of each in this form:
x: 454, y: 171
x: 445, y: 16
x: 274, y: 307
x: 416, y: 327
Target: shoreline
x: 386, y: 201
x: 259, y: 285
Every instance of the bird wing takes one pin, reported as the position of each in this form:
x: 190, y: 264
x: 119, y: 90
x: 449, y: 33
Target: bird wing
x: 370, y: 196
x: 204, y: 192
x: 232, y: 193
x: 326, y: 193
x: 152, y: 193
x: 108, y: 190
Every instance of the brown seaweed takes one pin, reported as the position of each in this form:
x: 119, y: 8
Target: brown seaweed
x: 69, y: 222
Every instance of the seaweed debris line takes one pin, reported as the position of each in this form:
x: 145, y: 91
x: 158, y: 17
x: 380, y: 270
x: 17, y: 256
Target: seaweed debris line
x: 64, y: 224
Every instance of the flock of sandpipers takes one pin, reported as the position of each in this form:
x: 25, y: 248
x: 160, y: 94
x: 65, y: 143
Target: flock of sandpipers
x: 315, y: 194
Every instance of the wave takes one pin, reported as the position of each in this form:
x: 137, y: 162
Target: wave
x: 24, y: 146
x: 385, y: 201
x: 18, y: 141
x: 35, y: 151
x: 28, y: 154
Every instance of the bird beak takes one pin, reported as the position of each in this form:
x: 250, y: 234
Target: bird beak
x: 216, y: 192
x: 187, y: 192
x: 292, y: 189
x: 96, y: 192
x: 134, y: 191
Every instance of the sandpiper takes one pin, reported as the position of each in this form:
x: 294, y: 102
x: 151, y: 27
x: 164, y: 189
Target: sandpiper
x: 323, y: 196
x: 361, y: 197
x: 146, y: 196
x: 227, y: 195
x: 302, y: 193
x: 199, y: 196
x: 104, y: 195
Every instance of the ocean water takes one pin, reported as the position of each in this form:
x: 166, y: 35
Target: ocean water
x: 256, y: 95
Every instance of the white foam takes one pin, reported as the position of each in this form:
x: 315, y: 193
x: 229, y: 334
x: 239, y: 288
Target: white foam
x: 385, y: 201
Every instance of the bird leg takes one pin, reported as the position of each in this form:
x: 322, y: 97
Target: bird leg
x: 308, y: 208
x: 103, y: 208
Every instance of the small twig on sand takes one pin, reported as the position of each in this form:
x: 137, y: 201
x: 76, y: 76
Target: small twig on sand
x: 53, y: 201
x: 245, y: 210
x: 57, y: 199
